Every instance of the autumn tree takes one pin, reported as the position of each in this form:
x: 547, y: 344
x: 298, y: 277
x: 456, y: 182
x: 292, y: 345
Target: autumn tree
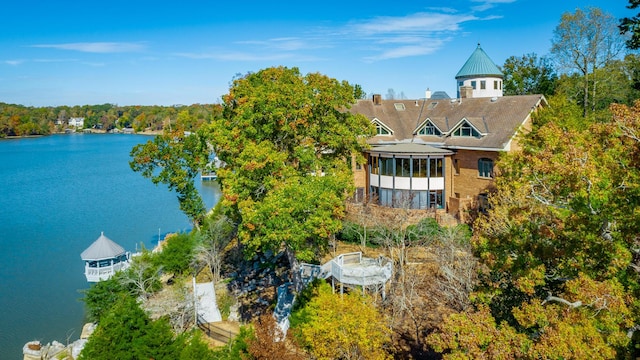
x: 560, y: 242
x: 175, y: 158
x: 583, y: 42
x: 268, y: 341
x: 348, y: 326
x: 528, y: 74
x: 284, y: 138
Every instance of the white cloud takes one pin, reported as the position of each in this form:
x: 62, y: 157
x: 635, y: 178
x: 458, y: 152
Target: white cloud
x: 412, y: 35
x: 380, y: 38
x: 233, y: 56
x: 284, y: 44
x: 96, y: 47
x: 488, y: 4
x: 424, y: 22
x: 13, y: 62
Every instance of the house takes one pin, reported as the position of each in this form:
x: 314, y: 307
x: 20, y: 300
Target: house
x: 439, y: 153
x: 77, y: 122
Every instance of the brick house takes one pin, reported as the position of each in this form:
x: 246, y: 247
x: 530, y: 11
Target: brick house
x: 439, y: 153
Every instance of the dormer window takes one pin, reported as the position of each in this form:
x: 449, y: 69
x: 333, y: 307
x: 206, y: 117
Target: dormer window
x: 429, y: 129
x: 382, y: 129
x: 466, y: 130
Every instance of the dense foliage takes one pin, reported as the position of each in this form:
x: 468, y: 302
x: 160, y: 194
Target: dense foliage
x: 18, y: 120
x: 560, y: 244
x: 630, y: 25
x: 529, y: 74
x: 175, y: 158
x: 334, y: 326
x: 284, y: 138
x: 178, y: 253
x: 126, y: 332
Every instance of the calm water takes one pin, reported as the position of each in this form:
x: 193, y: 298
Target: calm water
x: 57, y: 194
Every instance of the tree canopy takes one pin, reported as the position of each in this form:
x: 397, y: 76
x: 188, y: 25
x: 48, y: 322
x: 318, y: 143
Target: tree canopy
x: 284, y: 138
x: 559, y: 243
x: 630, y: 25
x: 583, y: 42
x: 529, y: 74
x: 175, y: 158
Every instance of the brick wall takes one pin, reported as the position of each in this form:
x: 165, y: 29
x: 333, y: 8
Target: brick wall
x: 467, y: 184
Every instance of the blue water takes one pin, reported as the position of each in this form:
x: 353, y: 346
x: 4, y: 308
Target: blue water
x: 57, y: 194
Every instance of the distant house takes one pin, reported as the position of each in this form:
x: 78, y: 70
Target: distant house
x: 77, y: 122
x: 439, y: 153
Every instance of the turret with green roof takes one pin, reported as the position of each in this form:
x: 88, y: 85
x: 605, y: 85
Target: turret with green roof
x: 479, y: 76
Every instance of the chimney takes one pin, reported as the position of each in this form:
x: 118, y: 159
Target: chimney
x: 377, y: 99
x: 427, y: 94
x: 466, y: 92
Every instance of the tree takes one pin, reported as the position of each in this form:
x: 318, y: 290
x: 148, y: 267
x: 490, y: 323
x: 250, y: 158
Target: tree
x: 142, y: 278
x: 284, y: 138
x: 528, y: 75
x: 559, y: 243
x: 341, y: 327
x: 177, y: 253
x: 584, y: 42
x: 175, y: 158
x: 630, y: 26
x: 358, y: 93
x: 126, y: 332
x: 269, y: 342
x: 217, y: 232
x: 101, y: 297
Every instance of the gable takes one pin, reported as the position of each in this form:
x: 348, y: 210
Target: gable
x: 495, y: 121
x: 428, y: 128
x: 464, y: 128
x: 381, y: 128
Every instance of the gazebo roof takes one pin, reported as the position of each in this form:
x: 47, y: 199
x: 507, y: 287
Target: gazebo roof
x: 102, y: 248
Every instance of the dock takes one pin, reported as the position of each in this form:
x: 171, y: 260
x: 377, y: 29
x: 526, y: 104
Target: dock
x: 208, y: 177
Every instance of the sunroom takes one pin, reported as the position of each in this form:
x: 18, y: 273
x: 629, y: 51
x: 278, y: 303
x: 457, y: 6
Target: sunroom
x: 408, y: 175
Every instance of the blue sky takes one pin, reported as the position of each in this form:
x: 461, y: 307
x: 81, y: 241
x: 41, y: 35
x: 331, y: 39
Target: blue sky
x: 163, y: 53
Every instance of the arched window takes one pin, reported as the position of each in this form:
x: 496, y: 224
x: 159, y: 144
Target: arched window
x: 485, y: 167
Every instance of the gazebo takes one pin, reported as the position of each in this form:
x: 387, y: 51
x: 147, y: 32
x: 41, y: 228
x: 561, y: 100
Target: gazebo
x: 103, y: 258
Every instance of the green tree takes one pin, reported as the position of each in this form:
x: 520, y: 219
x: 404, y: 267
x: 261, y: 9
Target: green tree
x: 630, y: 26
x: 284, y: 138
x: 126, y: 332
x: 175, y: 159
x: 177, y: 253
x: 528, y: 74
x: 101, y: 297
x: 584, y: 42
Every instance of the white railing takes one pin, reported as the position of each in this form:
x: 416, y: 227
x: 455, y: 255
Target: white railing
x: 94, y: 274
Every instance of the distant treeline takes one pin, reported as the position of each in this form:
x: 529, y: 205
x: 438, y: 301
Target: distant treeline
x: 19, y: 120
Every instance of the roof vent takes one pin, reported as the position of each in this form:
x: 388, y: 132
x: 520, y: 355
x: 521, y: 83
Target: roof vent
x: 494, y: 99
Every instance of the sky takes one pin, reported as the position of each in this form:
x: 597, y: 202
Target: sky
x: 141, y: 52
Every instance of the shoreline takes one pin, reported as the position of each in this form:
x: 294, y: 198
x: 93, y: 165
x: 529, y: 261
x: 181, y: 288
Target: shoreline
x: 83, y: 131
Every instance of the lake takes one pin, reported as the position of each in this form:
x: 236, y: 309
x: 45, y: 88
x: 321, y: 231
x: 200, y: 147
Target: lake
x: 57, y: 193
